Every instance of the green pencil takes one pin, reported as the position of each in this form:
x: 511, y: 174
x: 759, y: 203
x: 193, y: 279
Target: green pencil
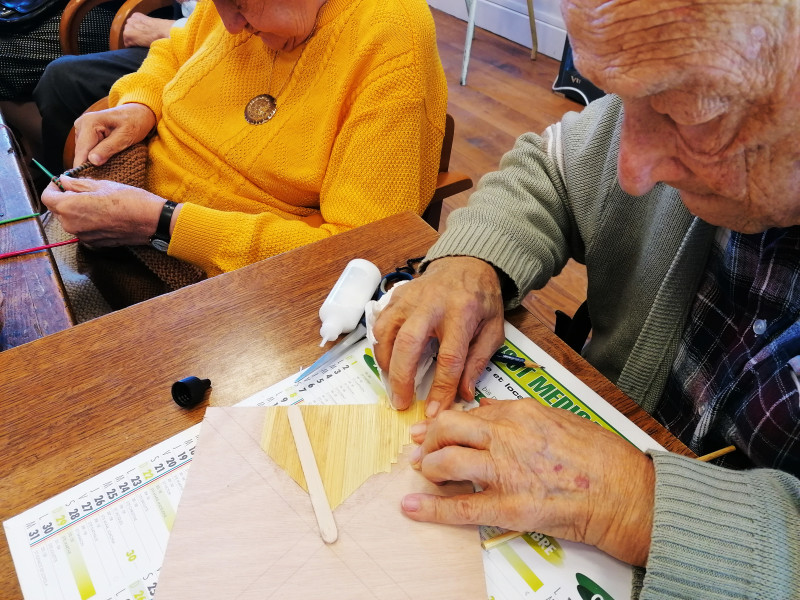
x: 52, y: 177
x: 22, y: 218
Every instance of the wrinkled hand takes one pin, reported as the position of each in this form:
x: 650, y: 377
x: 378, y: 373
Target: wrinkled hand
x: 141, y: 30
x: 100, y: 135
x: 458, y: 301
x: 104, y: 213
x: 541, y: 469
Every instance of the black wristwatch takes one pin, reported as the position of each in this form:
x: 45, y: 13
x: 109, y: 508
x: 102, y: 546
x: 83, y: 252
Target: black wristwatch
x: 160, y: 239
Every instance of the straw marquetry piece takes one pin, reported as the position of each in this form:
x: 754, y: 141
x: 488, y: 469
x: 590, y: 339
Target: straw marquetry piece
x: 490, y: 543
x: 351, y: 442
x: 245, y: 529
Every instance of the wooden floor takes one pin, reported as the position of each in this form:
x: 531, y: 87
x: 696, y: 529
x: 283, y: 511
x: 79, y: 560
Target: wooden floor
x: 506, y: 95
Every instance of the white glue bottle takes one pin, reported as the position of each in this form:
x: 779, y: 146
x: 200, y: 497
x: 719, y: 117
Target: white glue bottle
x: 344, y: 306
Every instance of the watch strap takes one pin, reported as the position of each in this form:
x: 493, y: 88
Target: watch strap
x: 161, y: 238
x: 164, y: 221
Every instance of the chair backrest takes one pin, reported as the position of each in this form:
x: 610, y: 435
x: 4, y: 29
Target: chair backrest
x: 447, y: 183
x: 115, y: 41
x: 76, y: 10
x: 447, y: 143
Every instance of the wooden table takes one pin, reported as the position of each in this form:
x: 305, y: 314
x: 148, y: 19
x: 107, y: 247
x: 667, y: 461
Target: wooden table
x: 82, y: 400
x: 34, y: 301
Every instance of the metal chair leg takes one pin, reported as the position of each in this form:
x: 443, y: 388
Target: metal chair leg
x: 472, y: 7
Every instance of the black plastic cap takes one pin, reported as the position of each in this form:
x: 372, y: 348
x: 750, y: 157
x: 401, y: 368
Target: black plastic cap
x: 190, y: 391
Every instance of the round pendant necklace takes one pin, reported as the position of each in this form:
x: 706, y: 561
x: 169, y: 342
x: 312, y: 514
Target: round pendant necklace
x: 260, y: 109
x: 264, y: 106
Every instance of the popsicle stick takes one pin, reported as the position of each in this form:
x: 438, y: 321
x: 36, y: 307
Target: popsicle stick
x: 316, y: 490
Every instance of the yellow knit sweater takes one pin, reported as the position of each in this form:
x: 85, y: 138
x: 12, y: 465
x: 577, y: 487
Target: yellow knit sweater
x: 356, y: 137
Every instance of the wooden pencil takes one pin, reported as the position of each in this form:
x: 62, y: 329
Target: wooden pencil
x: 515, y: 361
x: 716, y: 453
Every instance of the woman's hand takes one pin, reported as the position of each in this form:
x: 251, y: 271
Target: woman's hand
x: 457, y: 301
x: 104, y: 213
x: 141, y: 30
x: 541, y: 469
x: 100, y: 135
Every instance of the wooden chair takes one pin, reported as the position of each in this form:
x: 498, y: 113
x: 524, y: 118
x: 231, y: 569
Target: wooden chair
x: 472, y: 9
x: 76, y: 10
x: 448, y: 183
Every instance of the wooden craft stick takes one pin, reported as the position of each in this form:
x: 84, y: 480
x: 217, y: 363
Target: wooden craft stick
x: 490, y: 543
x: 717, y: 454
x: 316, y: 490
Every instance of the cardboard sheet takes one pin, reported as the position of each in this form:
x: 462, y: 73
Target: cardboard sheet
x: 246, y: 530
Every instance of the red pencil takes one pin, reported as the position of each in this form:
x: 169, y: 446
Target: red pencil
x: 37, y: 248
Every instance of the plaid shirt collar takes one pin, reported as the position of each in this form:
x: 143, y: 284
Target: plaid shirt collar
x: 735, y: 379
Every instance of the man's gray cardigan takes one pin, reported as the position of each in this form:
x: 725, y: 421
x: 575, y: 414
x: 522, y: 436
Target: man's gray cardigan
x: 717, y: 533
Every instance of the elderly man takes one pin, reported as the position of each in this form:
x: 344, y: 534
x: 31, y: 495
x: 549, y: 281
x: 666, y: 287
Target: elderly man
x: 681, y: 194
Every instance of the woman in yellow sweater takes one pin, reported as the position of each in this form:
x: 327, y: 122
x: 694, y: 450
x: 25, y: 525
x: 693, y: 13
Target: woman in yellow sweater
x: 277, y: 123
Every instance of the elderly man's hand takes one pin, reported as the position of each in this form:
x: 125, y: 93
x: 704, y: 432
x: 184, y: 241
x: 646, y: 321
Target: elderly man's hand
x: 100, y: 135
x: 541, y: 469
x: 458, y: 301
x: 104, y: 213
x: 141, y: 30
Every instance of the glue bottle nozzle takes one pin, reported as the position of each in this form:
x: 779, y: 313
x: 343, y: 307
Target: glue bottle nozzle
x: 330, y: 330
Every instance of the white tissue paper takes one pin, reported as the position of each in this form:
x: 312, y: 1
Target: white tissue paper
x: 424, y: 375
